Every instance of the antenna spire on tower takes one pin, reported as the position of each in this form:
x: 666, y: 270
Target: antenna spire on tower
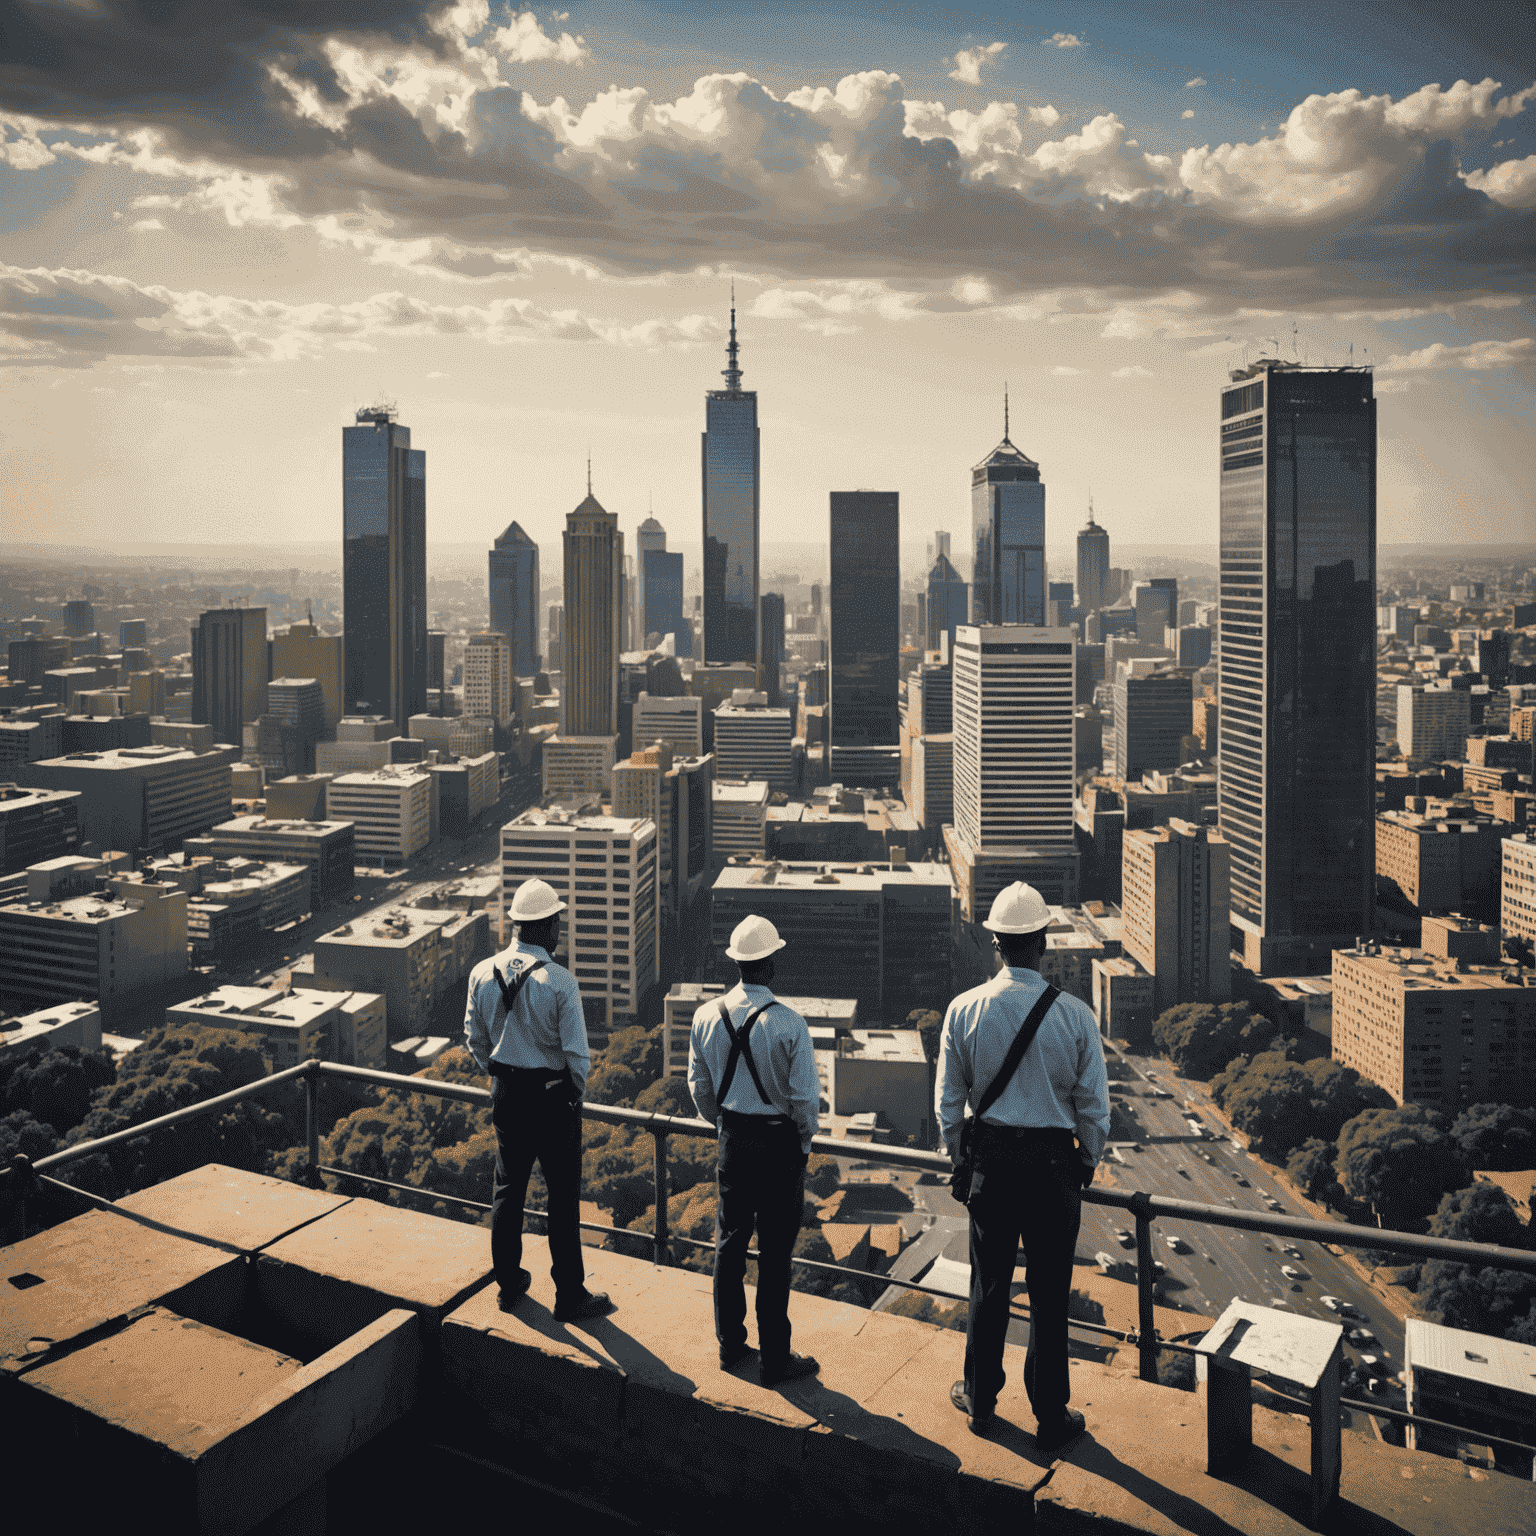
x: 589, y: 471
x: 1005, y: 411
x: 732, y: 370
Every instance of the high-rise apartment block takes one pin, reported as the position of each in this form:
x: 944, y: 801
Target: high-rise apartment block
x: 1152, y: 718
x: 1092, y: 565
x: 1432, y: 722
x: 877, y: 933
x: 606, y: 869
x: 384, y: 568
x: 865, y: 621
x: 1175, y: 883
x: 1014, y: 761
x: 229, y: 670
x: 1517, y: 891
x: 302, y: 651
x: 514, y: 598
x: 1439, y: 863
x: 948, y: 603
x: 678, y: 721
x: 1298, y: 659
x: 730, y: 448
x: 390, y: 810
x: 753, y: 741
x: 140, y: 798
x: 1157, y: 608
x: 488, y: 675
x: 36, y: 824
x: 283, y: 739
x: 1008, y: 537
x: 1434, y: 1030
x: 79, y: 617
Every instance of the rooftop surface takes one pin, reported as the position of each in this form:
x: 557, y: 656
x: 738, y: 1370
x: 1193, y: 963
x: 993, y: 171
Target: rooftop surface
x: 1413, y: 969
x: 139, y: 1318
x: 818, y: 876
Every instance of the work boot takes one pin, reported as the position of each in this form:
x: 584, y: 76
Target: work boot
x: 587, y: 1304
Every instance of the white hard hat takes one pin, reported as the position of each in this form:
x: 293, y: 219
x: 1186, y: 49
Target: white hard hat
x: 755, y: 938
x: 1018, y: 908
x: 535, y: 900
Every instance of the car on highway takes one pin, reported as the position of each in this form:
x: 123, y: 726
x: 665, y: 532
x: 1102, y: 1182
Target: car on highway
x: 1206, y: 1157
x: 1331, y: 1302
x: 1123, y: 1237
x: 1175, y: 1242
x: 1370, y: 1362
x: 1161, y: 1093
x: 1359, y: 1336
x: 1290, y: 1272
x: 1240, y: 1179
x: 1272, y: 1203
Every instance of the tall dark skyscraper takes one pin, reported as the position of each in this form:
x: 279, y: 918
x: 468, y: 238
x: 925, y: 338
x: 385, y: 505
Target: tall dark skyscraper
x: 594, y: 611
x: 384, y: 569
x: 772, y: 659
x: 1007, y: 536
x: 229, y: 671
x: 514, y: 597
x: 1298, y: 654
x: 730, y: 458
x: 1092, y: 565
x: 865, y: 598
x: 661, y: 588
x: 948, y: 602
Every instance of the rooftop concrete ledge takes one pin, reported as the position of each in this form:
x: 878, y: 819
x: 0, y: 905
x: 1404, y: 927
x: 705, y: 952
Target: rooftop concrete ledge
x: 245, y: 1210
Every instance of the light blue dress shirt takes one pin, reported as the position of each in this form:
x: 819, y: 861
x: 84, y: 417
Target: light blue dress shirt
x: 1061, y: 1081
x: 781, y: 1048
x: 546, y: 1027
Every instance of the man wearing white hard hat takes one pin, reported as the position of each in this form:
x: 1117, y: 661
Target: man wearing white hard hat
x: 752, y: 1072
x: 1027, y: 1061
x: 524, y: 1025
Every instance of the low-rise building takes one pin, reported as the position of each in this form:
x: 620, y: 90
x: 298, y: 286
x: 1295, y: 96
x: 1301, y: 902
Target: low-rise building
x: 327, y: 847
x: 577, y: 766
x: 1432, y: 1030
x: 467, y: 787
x: 1517, y: 888
x: 120, y: 951
x: 76, y: 1023
x: 1483, y: 1384
x: 299, y: 797
x: 295, y: 1024
x: 1430, y: 863
x: 390, y: 810
x: 739, y: 818
x: 1122, y: 998
x: 36, y: 825
x: 753, y: 741
x: 882, y: 1072
x: 828, y: 1018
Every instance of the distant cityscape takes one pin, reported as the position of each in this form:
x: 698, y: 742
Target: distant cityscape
x: 1281, y: 809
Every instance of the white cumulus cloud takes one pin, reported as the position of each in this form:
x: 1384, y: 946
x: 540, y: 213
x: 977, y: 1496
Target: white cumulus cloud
x: 968, y: 62
x: 1512, y: 183
x: 1190, y: 85
x: 1063, y: 40
x: 1475, y: 356
x: 1187, y: 113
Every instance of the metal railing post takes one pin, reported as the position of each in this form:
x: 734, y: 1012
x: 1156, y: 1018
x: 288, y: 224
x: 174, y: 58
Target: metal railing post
x: 312, y: 1124
x: 1146, y: 1277
x: 663, y: 1256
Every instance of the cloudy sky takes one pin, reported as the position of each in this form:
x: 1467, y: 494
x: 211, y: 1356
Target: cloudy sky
x: 221, y: 232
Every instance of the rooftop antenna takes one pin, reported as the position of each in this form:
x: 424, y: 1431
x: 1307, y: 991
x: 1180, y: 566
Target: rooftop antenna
x: 1005, y: 411
x: 589, y: 469
x: 1295, y: 343
x: 732, y: 370
x: 1090, y: 506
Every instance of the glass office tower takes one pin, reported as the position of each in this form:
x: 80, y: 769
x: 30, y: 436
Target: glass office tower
x: 661, y: 589
x: 948, y: 602
x: 1298, y: 683
x: 730, y: 459
x: 513, y: 577
x: 865, y: 650
x: 384, y: 569
x: 1008, y: 537
x: 1092, y: 565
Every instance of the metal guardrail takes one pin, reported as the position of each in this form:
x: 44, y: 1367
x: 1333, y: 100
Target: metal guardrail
x: 1143, y: 1207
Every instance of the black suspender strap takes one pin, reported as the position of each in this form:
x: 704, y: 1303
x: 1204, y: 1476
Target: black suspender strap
x: 510, y: 989
x: 1016, y: 1052
x: 742, y: 1045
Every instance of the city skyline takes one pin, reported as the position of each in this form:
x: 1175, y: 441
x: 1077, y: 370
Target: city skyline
x: 171, y: 281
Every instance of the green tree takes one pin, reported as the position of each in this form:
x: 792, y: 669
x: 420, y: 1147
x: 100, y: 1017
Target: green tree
x: 1279, y: 1102
x: 1496, y: 1136
x: 54, y: 1084
x: 630, y: 1062
x: 1481, y: 1298
x: 1399, y: 1162
x: 1201, y: 1038
x: 1310, y: 1167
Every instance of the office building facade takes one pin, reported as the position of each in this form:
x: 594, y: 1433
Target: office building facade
x: 302, y: 651
x: 730, y: 453
x: 1175, y: 884
x: 384, y: 568
x: 1432, y: 723
x: 754, y: 741
x: 1007, y: 537
x: 594, y: 605
x: 678, y: 721
x: 1297, y: 652
x: 1152, y: 718
x: 488, y: 674
x: 513, y: 581
x: 390, y: 810
x: 948, y: 603
x: 865, y: 619
x: 771, y: 634
x: 1092, y: 565
x: 229, y: 670
x: 1517, y: 887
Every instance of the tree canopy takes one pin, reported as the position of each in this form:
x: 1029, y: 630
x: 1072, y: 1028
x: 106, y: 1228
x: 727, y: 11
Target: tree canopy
x: 1496, y: 1136
x: 1399, y: 1162
x: 1482, y: 1298
x: 1278, y: 1103
x: 1201, y: 1038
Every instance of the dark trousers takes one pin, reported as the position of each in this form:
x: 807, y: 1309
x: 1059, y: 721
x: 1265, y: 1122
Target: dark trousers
x: 1026, y: 1187
x: 535, y: 1118
x: 760, y: 1181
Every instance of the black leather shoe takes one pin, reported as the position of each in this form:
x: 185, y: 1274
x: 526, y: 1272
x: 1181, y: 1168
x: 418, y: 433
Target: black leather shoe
x: 507, y: 1300
x: 588, y: 1304
x: 978, y: 1423
x: 734, y: 1357
x: 1059, y: 1432
x: 791, y: 1370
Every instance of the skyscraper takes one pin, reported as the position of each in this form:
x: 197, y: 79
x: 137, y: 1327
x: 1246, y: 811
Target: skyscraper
x: 1092, y: 565
x: 730, y: 463
x: 229, y: 670
x: 1008, y: 536
x: 865, y: 619
x: 948, y: 603
x: 1297, y: 658
x: 514, y: 597
x: 772, y: 631
x: 661, y: 589
x: 594, y: 605
x: 384, y: 568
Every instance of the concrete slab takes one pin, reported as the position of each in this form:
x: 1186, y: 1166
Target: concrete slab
x: 333, y: 1277
x: 79, y: 1276
x: 246, y: 1210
